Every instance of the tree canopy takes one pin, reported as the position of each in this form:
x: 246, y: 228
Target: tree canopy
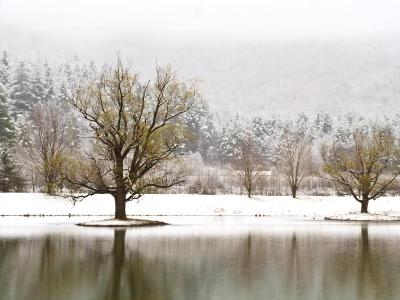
x: 135, y: 131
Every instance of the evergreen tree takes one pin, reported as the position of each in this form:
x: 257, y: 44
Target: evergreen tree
x: 67, y: 71
x: 10, y: 179
x: 264, y: 134
x: 42, y: 83
x: 48, y: 83
x: 63, y: 84
x: 346, y: 124
x: 323, y: 124
x: 229, y: 141
x: 7, y: 131
x: 199, y: 121
x: 4, y: 69
x: 22, y: 99
x: 37, y: 84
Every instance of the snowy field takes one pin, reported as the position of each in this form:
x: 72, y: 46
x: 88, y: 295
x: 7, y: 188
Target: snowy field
x: 195, y: 205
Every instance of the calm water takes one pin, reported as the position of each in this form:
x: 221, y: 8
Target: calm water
x: 204, y: 258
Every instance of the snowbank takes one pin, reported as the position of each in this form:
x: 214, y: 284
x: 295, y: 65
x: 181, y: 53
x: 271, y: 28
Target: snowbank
x: 363, y: 217
x: 121, y: 223
x: 194, y: 205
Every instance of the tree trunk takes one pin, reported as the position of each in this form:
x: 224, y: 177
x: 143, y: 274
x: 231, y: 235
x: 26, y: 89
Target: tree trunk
x: 294, y: 191
x: 120, y: 212
x: 364, y: 206
x: 120, y: 194
x: 50, y: 190
x: 33, y: 181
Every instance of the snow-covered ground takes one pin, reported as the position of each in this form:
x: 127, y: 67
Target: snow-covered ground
x: 121, y: 223
x: 363, y: 217
x: 195, y: 205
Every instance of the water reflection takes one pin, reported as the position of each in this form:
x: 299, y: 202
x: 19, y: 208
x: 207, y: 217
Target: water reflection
x: 261, y: 264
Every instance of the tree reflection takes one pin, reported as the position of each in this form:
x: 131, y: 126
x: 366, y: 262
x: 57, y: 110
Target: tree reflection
x: 118, y: 262
x: 127, y: 265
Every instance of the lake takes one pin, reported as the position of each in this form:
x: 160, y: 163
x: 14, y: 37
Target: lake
x: 199, y: 258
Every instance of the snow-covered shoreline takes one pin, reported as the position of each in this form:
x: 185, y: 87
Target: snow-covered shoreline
x: 32, y: 204
x: 121, y: 223
x: 364, y: 217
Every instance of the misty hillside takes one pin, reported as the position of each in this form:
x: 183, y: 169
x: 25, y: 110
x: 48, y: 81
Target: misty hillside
x: 280, y: 78
x: 262, y: 77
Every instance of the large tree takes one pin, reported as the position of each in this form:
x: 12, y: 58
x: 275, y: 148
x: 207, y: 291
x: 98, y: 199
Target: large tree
x: 135, y: 131
x: 366, y: 166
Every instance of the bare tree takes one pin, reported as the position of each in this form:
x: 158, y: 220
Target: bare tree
x: 293, y: 157
x: 135, y: 133
x: 46, y: 137
x: 366, y: 167
x: 249, y: 165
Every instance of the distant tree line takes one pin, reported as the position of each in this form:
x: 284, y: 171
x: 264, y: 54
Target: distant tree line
x: 58, y: 118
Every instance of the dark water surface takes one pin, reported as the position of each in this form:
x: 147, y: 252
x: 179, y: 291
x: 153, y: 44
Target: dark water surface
x: 207, y: 258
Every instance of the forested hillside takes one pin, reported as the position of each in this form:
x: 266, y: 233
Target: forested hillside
x: 38, y: 121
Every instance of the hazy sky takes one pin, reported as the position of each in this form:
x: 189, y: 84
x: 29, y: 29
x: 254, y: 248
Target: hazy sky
x: 238, y: 19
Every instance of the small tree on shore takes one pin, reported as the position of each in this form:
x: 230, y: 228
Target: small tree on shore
x: 292, y: 154
x: 135, y: 133
x: 248, y: 165
x: 366, y: 167
x: 46, y: 137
